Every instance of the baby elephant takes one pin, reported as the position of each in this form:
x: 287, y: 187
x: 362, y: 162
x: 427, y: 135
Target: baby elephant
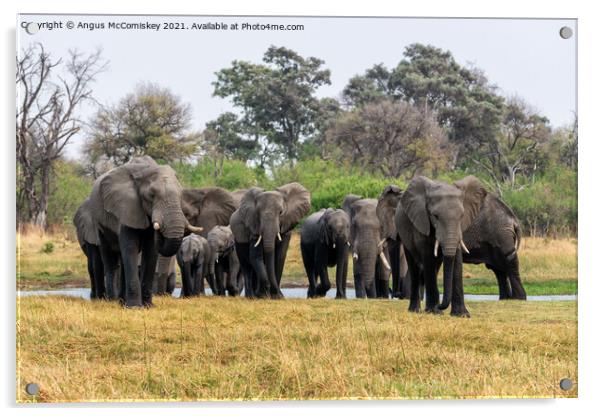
x: 194, y: 259
x: 324, y: 243
x: 225, y: 266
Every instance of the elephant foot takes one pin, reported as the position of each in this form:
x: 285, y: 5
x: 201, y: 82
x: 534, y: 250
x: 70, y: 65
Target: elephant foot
x: 414, y: 308
x: 462, y: 313
x: 149, y: 304
x: 277, y: 295
x: 434, y: 310
x: 397, y: 295
x: 340, y: 296
x: 132, y: 305
x: 322, y: 290
x: 520, y: 297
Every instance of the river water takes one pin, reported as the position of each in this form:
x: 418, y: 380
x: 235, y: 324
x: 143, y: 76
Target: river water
x: 295, y: 293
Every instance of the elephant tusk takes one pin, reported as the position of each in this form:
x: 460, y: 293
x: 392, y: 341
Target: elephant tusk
x: 348, y: 244
x: 436, y: 251
x: 258, y: 241
x: 384, y: 260
x: 156, y: 226
x: 217, y: 259
x: 193, y: 229
x: 355, y: 256
x: 382, y: 242
x: 464, y: 247
x: 279, y: 237
x: 334, y: 245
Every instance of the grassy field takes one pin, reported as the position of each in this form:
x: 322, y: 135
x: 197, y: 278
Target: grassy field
x: 223, y: 348
x: 547, y: 266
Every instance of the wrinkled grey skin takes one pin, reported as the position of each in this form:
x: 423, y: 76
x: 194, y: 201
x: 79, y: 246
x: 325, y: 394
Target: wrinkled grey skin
x: 194, y: 260
x: 385, y: 211
x: 164, y: 282
x: 370, y: 274
x: 431, y: 211
x: 325, y: 243
x: 225, y: 266
x: 271, y: 215
x: 205, y: 208
x: 493, y: 238
x: 126, y: 203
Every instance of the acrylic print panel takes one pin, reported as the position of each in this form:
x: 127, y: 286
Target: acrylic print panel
x: 260, y: 208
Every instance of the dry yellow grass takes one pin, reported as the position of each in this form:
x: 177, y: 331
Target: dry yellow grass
x: 223, y: 349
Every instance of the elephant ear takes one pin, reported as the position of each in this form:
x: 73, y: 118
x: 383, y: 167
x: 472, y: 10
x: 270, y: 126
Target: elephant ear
x: 298, y: 203
x: 413, y: 202
x: 474, y: 196
x: 84, y: 224
x: 209, y: 206
x: 348, y: 201
x: 324, y: 234
x: 247, y: 211
x: 385, y: 210
x: 120, y: 196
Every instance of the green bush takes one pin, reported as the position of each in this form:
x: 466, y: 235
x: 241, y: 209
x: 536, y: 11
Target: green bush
x: 69, y: 188
x: 48, y: 247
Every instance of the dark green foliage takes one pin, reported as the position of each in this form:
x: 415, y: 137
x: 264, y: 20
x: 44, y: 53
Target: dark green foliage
x: 47, y: 248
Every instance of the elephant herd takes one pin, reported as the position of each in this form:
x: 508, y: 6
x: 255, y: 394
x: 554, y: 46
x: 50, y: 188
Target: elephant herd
x: 138, y: 223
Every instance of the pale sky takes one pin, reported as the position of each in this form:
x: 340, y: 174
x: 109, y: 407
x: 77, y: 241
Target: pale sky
x: 525, y: 57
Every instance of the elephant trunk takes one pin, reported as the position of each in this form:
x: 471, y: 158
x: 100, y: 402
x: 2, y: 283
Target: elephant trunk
x: 167, y: 247
x: 269, y: 235
x: 448, y: 274
x: 342, y: 256
x: 367, y: 262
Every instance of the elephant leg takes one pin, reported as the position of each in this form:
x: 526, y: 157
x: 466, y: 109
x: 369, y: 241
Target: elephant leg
x: 270, y: 264
x: 414, y: 280
x: 198, y: 279
x: 360, y: 288
x: 148, y: 266
x: 281, y: 250
x: 129, y: 244
x: 308, y: 256
x: 458, y: 308
x: 233, y: 285
x: 187, y: 279
x: 110, y: 263
x: 518, y: 291
x: 87, y: 249
x: 257, y: 263
x: 382, y: 281
x: 342, y: 266
x: 394, y: 258
x: 171, y: 283
x: 502, y: 282
x: 98, y: 273
x: 218, y: 275
x: 431, y: 267
x: 321, y: 268
x: 242, y: 252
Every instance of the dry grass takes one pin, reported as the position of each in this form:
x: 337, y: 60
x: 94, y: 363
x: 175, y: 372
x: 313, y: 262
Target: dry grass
x: 224, y: 349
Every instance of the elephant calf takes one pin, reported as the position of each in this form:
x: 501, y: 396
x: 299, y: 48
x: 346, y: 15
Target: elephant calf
x: 324, y: 242
x: 225, y: 267
x: 194, y: 259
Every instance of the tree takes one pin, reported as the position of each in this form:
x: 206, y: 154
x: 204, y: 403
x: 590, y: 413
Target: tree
x: 390, y: 137
x: 464, y: 103
x: 277, y: 97
x: 226, y: 136
x: 46, y: 120
x: 517, y: 146
x: 150, y: 121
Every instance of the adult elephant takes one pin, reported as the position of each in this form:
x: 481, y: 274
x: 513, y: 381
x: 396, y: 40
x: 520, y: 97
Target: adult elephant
x: 225, y: 266
x: 88, y: 241
x: 137, y: 210
x: 385, y: 211
x: 325, y: 243
x: 493, y: 238
x: 262, y: 228
x: 194, y: 259
x: 370, y: 266
x: 433, y: 214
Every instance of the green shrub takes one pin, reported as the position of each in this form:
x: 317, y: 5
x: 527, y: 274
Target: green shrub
x: 48, y: 247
